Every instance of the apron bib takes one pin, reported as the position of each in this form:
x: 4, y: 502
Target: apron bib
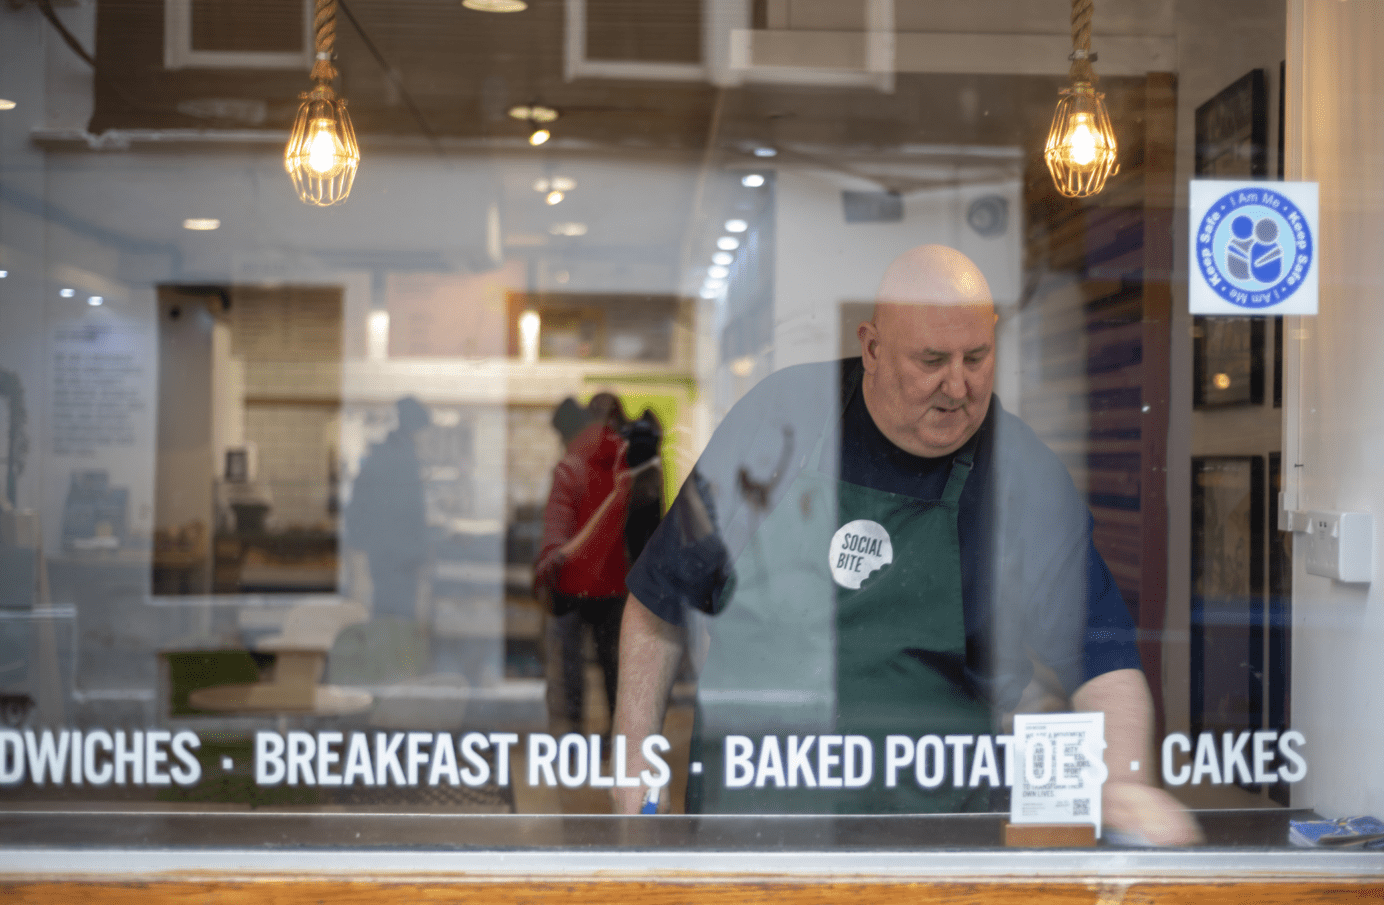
x: 843, y: 616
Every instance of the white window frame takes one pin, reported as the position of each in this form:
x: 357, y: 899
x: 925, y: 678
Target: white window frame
x: 179, y: 54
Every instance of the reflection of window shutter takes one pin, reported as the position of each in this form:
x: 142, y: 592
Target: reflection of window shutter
x: 667, y: 31
x: 238, y: 34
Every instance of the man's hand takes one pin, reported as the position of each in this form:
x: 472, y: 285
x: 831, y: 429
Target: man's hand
x: 1147, y: 814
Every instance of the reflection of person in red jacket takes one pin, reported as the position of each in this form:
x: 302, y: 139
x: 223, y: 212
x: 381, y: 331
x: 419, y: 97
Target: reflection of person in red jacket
x: 583, y: 558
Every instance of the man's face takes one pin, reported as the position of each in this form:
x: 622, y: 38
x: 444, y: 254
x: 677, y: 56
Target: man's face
x: 929, y: 371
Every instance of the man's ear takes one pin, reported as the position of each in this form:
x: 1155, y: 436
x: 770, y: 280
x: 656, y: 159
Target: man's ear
x: 869, y: 344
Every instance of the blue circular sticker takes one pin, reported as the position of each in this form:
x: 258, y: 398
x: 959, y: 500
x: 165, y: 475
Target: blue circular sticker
x: 1254, y: 247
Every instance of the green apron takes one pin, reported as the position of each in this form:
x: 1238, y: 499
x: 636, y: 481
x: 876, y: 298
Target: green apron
x: 794, y: 651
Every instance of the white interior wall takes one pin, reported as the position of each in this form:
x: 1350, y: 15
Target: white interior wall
x: 1336, y: 138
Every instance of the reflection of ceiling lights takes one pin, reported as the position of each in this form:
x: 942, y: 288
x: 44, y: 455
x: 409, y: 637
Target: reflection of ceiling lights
x: 728, y: 243
x: 67, y: 293
x: 723, y: 258
x: 1222, y: 381
x: 496, y: 6
x: 95, y: 301
x: 568, y: 229
x: 554, y: 197
x: 736, y: 226
x: 3, y: 274
x: 715, y: 284
x: 765, y: 152
x: 708, y: 293
x: 539, y: 136
x: 6, y: 104
x: 201, y: 223
x: 752, y: 181
x: 718, y: 272
x: 535, y: 113
x: 557, y: 183
x: 743, y: 366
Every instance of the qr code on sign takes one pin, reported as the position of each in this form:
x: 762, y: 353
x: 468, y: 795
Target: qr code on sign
x: 1081, y: 807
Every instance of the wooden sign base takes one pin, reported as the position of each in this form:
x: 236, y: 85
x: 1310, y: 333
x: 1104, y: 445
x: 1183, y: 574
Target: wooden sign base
x: 1049, y: 835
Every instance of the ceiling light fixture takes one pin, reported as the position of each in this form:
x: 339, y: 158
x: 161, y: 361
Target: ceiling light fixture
x: 495, y: 6
x: 717, y: 272
x: 67, y: 293
x: 7, y: 104
x: 539, y: 136
x: 322, y: 154
x: 95, y: 301
x: 568, y: 229
x: 201, y: 224
x: 554, y: 197
x: 1081, y: 151
x: 736, y: 226
x: 728, y: 243
x: 724, y: 258
x: 765, y: 152
x: 3, y: 274
x: 752, y: 181
x: 534, y: 113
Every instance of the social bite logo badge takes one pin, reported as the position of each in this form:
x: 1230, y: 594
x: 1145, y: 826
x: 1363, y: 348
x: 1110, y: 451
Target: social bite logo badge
x: 1254, y: 248
x: 858, y: 549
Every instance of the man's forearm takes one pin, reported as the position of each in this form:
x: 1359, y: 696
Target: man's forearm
x: 1123, y: 696
x: 650, y: 650
x: 1131, y: 801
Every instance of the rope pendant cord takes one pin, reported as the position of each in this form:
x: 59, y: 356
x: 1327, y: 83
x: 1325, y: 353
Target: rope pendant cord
x: 1082, y: 11
x: 324, y: 30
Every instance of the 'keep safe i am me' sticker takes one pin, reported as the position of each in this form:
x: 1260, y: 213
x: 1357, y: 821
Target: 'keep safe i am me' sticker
x: 858, y: 550
x: 1253, y: 248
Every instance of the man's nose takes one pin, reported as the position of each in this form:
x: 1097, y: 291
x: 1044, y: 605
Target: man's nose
x: 954, y: 379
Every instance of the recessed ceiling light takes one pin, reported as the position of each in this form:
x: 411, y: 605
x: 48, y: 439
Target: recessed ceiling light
x: 707, y: 293
x: 201, y: 223
x: 765, y: 152
x: 742, y: 367
x: 723, y: 258
x: 539, y: 136
x: 554, y: 197
x: 496, y: 6
x: 736, y: 226
x: 3, y: 274
x: 718, y: 272
x: 728, y: 243
x: 94, y: 300
x: 568, y: 229
x: 752, y: 181
x: 714, y: 284
x: 67, y: 293
x: 7, y: 104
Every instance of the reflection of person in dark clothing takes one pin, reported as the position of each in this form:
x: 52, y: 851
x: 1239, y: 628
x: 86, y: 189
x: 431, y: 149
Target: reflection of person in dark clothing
x: 386, y: 517
x: 597, y: 501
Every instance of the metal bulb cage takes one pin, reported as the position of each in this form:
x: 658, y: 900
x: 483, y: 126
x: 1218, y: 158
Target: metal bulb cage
x: 1081, y: 152
x: 324, y: 178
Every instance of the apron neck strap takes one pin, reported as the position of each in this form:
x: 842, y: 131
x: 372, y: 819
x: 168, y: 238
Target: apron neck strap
x: 962, y: 460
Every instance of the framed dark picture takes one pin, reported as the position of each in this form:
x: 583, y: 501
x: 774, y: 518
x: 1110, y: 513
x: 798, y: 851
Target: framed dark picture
x: 1227, y: 638
x: 1232, y: 131
x: 1227, y: 361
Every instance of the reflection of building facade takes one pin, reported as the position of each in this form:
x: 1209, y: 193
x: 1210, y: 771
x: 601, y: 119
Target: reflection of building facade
x: 184, y: 415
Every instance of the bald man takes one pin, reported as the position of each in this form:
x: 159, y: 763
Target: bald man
x: 873, y: 550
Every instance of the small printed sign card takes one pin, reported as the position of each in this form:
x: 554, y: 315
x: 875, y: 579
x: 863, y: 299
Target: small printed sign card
x: 1061, y: 768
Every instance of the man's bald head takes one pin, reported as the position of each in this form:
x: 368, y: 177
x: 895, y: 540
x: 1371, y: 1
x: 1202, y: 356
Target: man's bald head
x: 932, y: 275
x: 929, y: 351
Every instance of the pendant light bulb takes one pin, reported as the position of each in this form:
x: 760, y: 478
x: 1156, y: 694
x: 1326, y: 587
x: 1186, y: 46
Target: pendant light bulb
x: 1081, y: 151
x: 539, y: 136
x: 322, y: 155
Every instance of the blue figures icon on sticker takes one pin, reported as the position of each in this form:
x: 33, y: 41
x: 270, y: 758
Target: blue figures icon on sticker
x: 1253, y: 251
